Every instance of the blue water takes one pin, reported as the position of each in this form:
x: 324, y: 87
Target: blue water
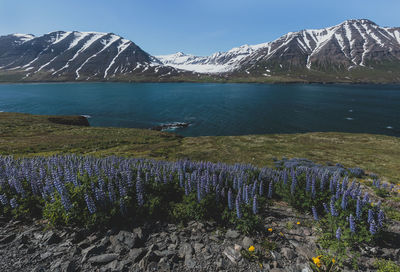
x: 216, y: 109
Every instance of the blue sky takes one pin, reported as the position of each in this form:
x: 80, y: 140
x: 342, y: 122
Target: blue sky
x: 199, y: 27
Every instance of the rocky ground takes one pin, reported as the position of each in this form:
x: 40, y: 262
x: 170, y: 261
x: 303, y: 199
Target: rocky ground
x: 198, y: 246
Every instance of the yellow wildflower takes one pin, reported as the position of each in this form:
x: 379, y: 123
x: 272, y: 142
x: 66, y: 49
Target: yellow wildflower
x: 333, y: 260
x: 270, y: 229
x: 251, y: 248
x: 317, y: 260
x: 298, y: 223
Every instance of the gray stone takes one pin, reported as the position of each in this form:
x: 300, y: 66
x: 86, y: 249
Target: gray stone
x: 124, y: 241
x: 232, y: 234
x: 247, y: 242
x: 288, y: 253
x: 103, y: 259
x: 7, y: 239
x: 185, y: 249
x: 90, y: 251
x: 45, y: 255
x: 136, y: 254
x: 232, y: 254
x: 51, y: 238
x: 198, y: 247
x: 189, y: 262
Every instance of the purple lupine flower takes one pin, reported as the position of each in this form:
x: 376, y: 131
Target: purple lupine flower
x: 3, y: 199
x: 365, y: 199
x: 358, y: 209
x: 370, y: 215
x: 255, y: 209
x: 13, y: 203
x: 230, y: 199
x: 90, y: 204
x: 338, y: 233
x: 333, y: 210
x: 313, y: 188
x: 261, y: 188
x: 344, y: 201
x: 381, y: 218
x: 270, y: 189
x: 237, y: 204
x: 294, y: 184
x: 352, y: 224
x: 308, y: 182
x: 139, y: 191
x: 246, y: 194
x: 326, y: 207
x: 372, y: 227
x: 315, y: 214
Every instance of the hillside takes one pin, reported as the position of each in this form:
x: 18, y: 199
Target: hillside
x: 30, y: 135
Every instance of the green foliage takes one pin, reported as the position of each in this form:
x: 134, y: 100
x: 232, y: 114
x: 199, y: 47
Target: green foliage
x: 386, y: 266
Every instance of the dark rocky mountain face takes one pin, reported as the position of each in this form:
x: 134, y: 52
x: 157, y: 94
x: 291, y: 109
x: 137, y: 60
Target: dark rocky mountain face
x: 76, y: 56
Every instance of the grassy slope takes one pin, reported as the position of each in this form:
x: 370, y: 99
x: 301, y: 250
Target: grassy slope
x: 28, y: 135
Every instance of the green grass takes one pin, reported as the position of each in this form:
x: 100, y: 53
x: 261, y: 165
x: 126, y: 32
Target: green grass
x: 30, y: 135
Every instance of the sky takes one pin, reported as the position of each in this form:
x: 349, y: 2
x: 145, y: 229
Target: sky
x: 199, y: 27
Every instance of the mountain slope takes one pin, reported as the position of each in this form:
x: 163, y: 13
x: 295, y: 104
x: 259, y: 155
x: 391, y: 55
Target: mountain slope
x: 76, y: 56
x: 337, y: 50
x: 353, y: 51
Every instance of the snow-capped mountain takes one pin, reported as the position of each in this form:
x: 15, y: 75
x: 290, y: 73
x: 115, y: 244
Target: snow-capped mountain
x: 76, y: 55
x: 217, y: 63
x: 353, y: 51
x: 351, y: 44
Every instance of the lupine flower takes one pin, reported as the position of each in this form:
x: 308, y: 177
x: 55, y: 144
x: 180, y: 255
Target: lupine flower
x: 90, y: 204
x: 381, y: 218
x: 230, y: 199
x: 261, y: 188
x: 255, y: 210
x: 139, y: 191
x: 313, y: 188
x: 352, y: 224
x: 13, y: 203
x: 338, y: 233
x: 358, y: 209
x: 344, y: 201
x: 372, y: 227
x: 294, y: 184
x: 270, y: 189
x: 333, y: 210
x: 325, y: 207
x: 370, y: 215
x: 315, y: 214
x: 237, y: 204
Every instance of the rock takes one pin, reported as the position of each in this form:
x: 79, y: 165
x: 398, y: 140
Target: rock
x: 288, y: 253
x: 185, y: 249
x: 7, y: 239
x: 51, y: 238
x: 136, y: 254
x: 90, y: 251
x: 124, y: 240
x: 232, y: 234
x: 68, y: 266
x: 247, y: 242
x: 189, y: 262
x: 117, y: 266
x: 232, y: 254
x: 198, y: 247
x: 103, y: 259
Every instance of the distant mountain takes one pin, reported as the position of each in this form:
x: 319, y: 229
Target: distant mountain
x: 329, y: 53
x: 76, y: 56
x: 353, y: 51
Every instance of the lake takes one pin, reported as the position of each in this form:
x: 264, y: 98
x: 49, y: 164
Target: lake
x: 216, y: 109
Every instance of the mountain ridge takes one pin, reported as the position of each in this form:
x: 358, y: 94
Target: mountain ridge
x: 352, y: 51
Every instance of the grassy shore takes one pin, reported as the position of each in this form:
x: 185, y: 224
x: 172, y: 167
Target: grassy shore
x: 30, y: 135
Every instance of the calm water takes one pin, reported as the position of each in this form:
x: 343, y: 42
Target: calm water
x: 216, y: 109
